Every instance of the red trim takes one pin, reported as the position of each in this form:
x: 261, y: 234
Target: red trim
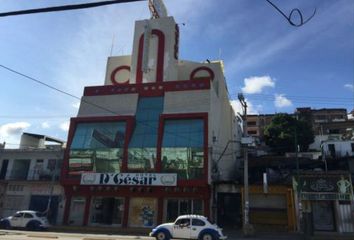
x: 114, y: 72
x: 160, y: 56
x: 194, y: 72
x: 159, y: 210
x: 149, y: 89
x: 67, y: 208
x: 87, y: 210
x: 126, y: 212
x: 75, y: 179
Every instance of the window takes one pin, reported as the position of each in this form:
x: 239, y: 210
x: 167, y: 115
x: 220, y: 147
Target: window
x: 177, y: 207
x: 97, y: 147
x: 183, y: 148
x: 142, y: 212
x: 251, y: 123
x: 107, y: 211
x: 142, y: 147
x: 183, y: 221
x: 27, y: 215
x: 252, y: 132
x: 18, y: 215
x: 20, y: 169
x: 197, y: 222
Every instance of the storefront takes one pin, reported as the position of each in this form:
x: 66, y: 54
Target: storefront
x: 326, y: 201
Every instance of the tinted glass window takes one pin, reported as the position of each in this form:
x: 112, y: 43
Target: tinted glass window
x: 97, y: 147
x: 142, y: 147
x: 183, y: 148
x: 197, y: 222
x: 183, y: 221
x: 18, y: 215
x: 28, y: 215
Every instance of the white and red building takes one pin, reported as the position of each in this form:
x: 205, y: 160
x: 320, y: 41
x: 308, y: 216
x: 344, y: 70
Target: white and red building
x: 143, y: 146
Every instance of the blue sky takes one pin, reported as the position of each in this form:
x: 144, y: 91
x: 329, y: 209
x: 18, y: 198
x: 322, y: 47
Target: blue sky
x: 277, y: 66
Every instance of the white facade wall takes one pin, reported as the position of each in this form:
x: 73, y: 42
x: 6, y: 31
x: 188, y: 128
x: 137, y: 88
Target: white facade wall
x: 167, y: 26
x: 121, y: 76
x: 187, y: 102
x: 342, y: 148
x: 108, y: 105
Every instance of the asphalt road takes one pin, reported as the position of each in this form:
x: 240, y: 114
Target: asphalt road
x: 27, y: 235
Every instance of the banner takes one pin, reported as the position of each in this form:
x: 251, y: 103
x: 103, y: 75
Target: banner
x: 324, y: 187
x: 130, y: 179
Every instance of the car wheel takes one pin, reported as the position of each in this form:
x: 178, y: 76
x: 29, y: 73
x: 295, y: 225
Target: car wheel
x: 5, y: 225
x: 162, y: 236
x: 32, y: 226
x: 207, y: 236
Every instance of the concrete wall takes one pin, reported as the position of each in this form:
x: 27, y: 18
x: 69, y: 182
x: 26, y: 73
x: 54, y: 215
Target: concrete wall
x: 222, y: 129
x: 120, y: 76
x: 342, y: 148
x: 167, y: 26
x: 108, y: 105
x: 187, y: 102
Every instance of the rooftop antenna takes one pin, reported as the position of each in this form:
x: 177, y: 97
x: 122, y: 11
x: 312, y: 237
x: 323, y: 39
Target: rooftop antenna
x: 112, y: 46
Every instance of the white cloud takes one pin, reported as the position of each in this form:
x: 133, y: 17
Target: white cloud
x: 65, y: 126
x: 76, y: 105
x: 251, y: 109
x: 11, y: 133
x: 349, y: 86
x: 257, y: 84
x: 281, y: 101
x: 11, y: 129
x: 45, y: 125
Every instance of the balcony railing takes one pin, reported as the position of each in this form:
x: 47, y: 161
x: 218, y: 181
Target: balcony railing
x: 34, y: 175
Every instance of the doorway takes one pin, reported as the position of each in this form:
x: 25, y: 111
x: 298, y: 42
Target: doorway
x: 229, y: 212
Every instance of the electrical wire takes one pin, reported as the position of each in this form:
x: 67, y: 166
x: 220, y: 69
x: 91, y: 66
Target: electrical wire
x: 288, y: 18
x: 64, y: 8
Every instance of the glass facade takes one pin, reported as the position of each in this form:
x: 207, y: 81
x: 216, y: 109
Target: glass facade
x: 177, y: 207
x: 142, y: 147
x: 97, y: 147
x: 183, y: 148
x: 107, y: 211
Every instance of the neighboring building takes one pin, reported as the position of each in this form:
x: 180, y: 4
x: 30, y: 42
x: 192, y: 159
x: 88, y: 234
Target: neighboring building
x: 29, y: 177
x: 320, y: 118
x: 142, y: 147
x: 338, y: 148
x: 256, y: 125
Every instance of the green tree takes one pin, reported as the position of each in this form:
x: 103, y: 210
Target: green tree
x: 284, y: 130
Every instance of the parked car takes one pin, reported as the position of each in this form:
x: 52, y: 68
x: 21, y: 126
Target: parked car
x: 188, y: 227
x: 30, y: 220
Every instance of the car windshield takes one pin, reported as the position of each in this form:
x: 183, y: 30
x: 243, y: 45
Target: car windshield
x: 39, y: 214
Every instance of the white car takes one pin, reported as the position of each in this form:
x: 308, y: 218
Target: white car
x: 188, y: 227
x: 30, y: 220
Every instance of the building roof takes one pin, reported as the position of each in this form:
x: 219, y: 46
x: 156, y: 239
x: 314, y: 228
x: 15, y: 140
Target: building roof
x: 46, y: 138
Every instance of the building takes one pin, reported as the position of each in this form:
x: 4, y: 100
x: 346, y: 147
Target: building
x: 143, y: 146
x: 29, y: 177
x: 256, y: 125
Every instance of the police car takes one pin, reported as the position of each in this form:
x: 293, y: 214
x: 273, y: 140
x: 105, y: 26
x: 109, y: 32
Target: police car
x: 188, y: 227
x: 31, y: 220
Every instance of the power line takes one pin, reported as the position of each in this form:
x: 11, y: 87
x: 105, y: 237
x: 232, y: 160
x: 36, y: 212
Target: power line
x: 64, y: 8
x: 295, y: 10
x: 82, y: 100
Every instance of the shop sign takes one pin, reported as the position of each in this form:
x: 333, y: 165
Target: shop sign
x: 324, y: 187
x: 132, y: 179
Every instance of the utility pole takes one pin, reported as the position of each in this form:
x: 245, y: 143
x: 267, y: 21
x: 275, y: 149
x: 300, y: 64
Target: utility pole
x: 247, y: 227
